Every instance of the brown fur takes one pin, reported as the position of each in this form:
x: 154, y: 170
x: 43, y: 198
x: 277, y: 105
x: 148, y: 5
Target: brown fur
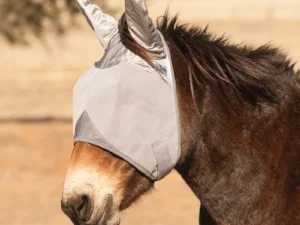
x: 240, y: 124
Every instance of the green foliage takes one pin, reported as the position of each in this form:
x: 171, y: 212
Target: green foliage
x: 20, y: 18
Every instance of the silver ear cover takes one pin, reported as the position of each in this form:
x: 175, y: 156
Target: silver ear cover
x: 104, y: 25
x: 142, y: 28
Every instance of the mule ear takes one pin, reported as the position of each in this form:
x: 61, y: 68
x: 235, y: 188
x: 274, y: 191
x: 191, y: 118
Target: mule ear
x: 141, y: 27
x: 103, y: 24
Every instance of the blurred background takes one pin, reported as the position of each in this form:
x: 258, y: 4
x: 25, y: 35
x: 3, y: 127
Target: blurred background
x: 44, y: 47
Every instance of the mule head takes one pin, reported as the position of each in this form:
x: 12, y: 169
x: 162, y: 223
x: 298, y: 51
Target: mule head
x: 99, y: 184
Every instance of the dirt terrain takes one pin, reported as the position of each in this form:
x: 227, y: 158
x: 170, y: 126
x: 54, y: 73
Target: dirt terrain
x: 36, y: 82
x: 33, y: 162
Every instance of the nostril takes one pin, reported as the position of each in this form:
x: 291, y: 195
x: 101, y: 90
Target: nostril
x: 84, y: 202
x: 80, y: 207
x: 84, y: 208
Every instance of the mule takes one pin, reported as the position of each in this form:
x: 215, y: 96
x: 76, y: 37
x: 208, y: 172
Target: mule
x: 239, y: 113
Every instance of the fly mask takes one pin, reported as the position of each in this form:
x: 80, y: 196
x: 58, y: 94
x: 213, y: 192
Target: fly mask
x: 124, y: 105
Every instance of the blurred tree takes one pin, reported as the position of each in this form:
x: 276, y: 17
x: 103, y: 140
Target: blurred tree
x: 20, y: 18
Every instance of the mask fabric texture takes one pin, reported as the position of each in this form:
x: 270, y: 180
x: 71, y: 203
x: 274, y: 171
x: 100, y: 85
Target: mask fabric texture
x: 126, y: 107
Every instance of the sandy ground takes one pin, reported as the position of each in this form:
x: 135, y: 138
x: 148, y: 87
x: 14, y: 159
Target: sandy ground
x: 33, y: 162
x: 36, y: 82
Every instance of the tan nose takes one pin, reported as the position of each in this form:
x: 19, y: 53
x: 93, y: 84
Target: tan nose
x: 78, y: 207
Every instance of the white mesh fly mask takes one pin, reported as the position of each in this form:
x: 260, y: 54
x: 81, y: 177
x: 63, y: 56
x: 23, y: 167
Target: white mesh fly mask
x: 122, y: 104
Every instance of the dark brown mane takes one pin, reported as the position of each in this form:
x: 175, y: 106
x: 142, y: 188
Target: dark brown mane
x: 254, y: 74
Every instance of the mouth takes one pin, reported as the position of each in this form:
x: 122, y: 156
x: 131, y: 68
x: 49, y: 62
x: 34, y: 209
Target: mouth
x: 100, y: 221
x: 109, y: 214
x: 103, y: 214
